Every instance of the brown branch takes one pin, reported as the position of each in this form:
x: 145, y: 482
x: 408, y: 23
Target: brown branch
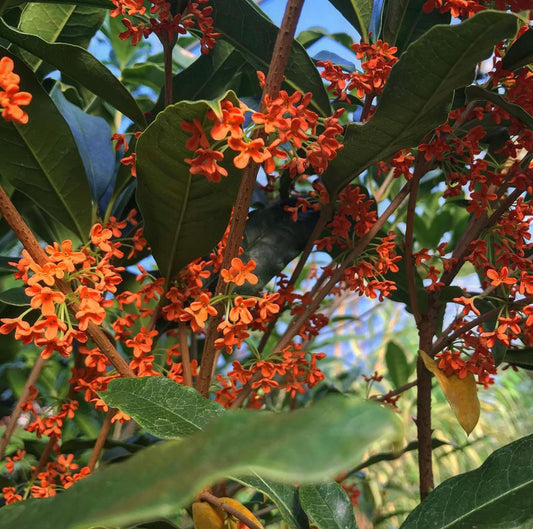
x: 359, y: 247
x: 167, y: 59
x: 274, y: 78
x: 29, y: 241
x: 423, y: 426
x: 44, y: 457
x: 221, y: 504
x: 100, y: 440
x: 409, y: 242
x: 185, y: 356
x: 15, y: 414
x: 397, y: 391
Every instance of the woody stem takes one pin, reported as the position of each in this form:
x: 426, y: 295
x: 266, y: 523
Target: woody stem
x: 274, y: 78
x: 221, y: 504
x: 30, y: 242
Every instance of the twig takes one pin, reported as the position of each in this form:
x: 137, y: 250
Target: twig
x: 185, y: 357
x: 100, y: 441
x: 29, y: 241
x: 15, y: 414
x: 280, y: 58
x: 44, y: 457
x: 361, y: 244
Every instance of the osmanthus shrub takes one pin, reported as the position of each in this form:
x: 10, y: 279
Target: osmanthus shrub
x: 159, y: 267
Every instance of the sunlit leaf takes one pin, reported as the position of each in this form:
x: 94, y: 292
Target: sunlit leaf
x: 460, y: 392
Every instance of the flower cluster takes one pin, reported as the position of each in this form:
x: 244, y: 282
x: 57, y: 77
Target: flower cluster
x: 468, y: 8
x: 59, y: 474
x: 11, y: 98
x: 378, y: 60
x: 164, y: 22
x: 288, y: 126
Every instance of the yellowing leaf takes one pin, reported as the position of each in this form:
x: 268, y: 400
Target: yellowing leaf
x: 460, y: 392
x: 205, y: 516
x: 242, y: 509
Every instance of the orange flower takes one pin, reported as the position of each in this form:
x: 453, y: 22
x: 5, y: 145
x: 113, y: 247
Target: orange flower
x: 501, y: 277
x: 240, y: 312
x: 198, y: 134
x: 240, y: 273
x: 205, y: 163
x: 45, y: 298
x: 253, y: 149
x: 198, y: 312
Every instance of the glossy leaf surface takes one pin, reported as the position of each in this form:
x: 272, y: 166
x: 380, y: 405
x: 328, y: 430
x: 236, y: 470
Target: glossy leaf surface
x: 160, y: 479
x: 41, y: 159
x: 328, y: 506
x: 419, y: 92
x: 184, y: 215
x: 497, y: 495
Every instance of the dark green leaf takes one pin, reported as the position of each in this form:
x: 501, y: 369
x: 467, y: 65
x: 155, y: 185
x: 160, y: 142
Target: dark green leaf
x: 80, y: 65
x: 59, y: 23
x: 5, y: 267
x: 169, y: 410
x: 306, y: 445
x: 494, y: 496
x: 405, y: 21
x: 284, y: 495
x: 93, y: 138
x: 212, y: 75
x: 103, y: 4
x: 15, y: 296
x: 273, y: 240
x: 41, y: 159
x: 520, y: 54
x: 397, y: 365
x: 251, y: 32
x: 522, y: 357
x: 357, y: 12
x: 184, y: 215
x: 161, y: 406
x: 144, y: 74
x: 328, y: 506
x: 419, y: 92
x: 478, y: 93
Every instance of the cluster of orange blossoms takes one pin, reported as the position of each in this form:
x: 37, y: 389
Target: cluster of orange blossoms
x: 378, y: 60
x: 164, y: 22
x: 59, y: 474
x: 468, y: 8
x: 288, y: 127
x: 11, y: 98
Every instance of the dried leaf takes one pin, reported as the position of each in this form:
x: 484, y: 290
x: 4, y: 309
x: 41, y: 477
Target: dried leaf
x: 242, y: 509
x: 460, y: 392
x: 206, y: 517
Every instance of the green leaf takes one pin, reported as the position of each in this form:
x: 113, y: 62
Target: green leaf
x: 284, y: 495
x: 522, y: 357
x: 103, y: 4
x: 496, y: 495
x: 520, y: 54
x: 81, y: 66
x: 15, y: 296
x: 144, y: 74
x: 405, y: 22
x: 212, y: 75
x: 184, y: 215
x: 328, y: 506
x: 59, y: 22
x: 478, y: 93
x: 161, y: 406
x: 419, y: 92
x: 358, y: 13
x: 170, y: 411
x: 397, y: 366
x: 41, y: 159
x: 93, y: 138
x: 306, y: 445
x: 245, y: 27
x: 273, y: 240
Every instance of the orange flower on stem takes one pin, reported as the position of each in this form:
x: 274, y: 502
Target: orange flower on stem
x: 240, y: 273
